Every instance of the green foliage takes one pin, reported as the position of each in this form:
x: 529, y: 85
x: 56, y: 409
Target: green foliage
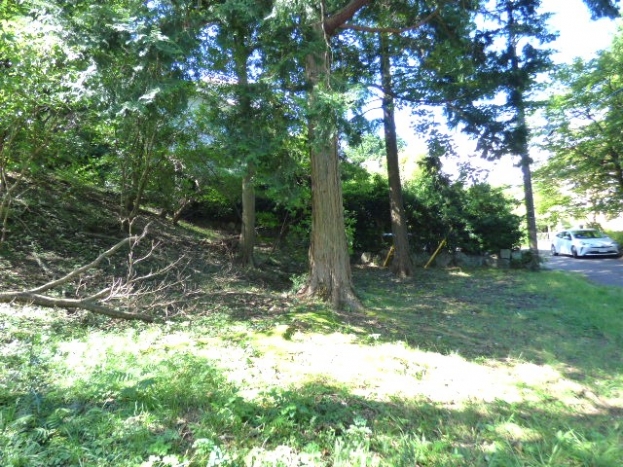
x: 39, y: 98
x: 366, y: 200
x: 490, y: 222
x: 583, y: 135
x: 370, y: 148
x: 36, y: 92
x: 616, y: 236
x: 135, y: 76
x: 476, y: 219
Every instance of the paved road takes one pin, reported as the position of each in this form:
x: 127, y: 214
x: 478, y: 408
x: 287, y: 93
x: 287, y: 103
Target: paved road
x: 601, y: 270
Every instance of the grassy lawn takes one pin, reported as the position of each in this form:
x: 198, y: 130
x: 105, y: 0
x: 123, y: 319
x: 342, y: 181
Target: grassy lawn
x: 450, y: 368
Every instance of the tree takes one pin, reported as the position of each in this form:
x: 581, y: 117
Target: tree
x: 432, y: 29
x: 584, y: 133
x: 522, y: 21
x: 330, y: 273
x: 236, y: 31
x: 510, y: 74
x: 139, y: 84
x: 253, y: 128
x: 399, y: 47
x: 38, y: 99
x: 402, y: 265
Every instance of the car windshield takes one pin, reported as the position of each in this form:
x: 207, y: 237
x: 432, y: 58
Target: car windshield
x: 587, y: 234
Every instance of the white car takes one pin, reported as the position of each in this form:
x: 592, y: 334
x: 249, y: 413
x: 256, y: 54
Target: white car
x: 584, y: 242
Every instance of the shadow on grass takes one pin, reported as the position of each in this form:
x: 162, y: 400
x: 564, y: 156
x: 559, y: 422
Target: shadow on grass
x: 488, y: 314
x: 183, y: 408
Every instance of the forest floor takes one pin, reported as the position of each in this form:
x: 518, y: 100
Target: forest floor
x: 452, y: 367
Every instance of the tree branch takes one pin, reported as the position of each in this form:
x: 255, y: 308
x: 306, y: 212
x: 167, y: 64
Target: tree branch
x: 371, y: 29
x: 42, y: 300
x: 335, y: 21
x: 82, y: 269
x: 119, y: 289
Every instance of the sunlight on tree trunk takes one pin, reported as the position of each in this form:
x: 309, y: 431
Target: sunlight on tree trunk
x: 530, y: 215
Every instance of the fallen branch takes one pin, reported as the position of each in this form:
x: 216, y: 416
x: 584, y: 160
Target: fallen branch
x: 54, y: 302
x: 82, y: 269
x: 119, y: 289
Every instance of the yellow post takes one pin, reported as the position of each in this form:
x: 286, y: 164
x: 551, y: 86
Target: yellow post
x: 443, y: 242
x: 389, y: 255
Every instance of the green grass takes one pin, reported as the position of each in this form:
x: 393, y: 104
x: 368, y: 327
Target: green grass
x: 476, y: 368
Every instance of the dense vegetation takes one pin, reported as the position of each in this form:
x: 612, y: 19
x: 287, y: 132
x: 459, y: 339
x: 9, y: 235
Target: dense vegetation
x: 182, y: 180
x: 585, y: 173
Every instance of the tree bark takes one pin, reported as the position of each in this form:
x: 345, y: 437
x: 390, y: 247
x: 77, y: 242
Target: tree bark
x: 247, y: 232
x: 331, y: 23
x: 330, y: 273
x: 402, y: 265
x: 530, y: 212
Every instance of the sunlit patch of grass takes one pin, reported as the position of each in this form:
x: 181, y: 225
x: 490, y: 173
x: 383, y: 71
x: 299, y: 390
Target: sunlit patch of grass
x: 478, y: 368
x: 208, y: 234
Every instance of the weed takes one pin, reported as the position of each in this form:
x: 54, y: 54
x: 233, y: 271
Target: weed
x: 299, y: 281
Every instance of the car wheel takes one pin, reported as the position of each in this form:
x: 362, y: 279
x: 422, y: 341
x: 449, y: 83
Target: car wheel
x: 554, y: 252
x: 574, y: 252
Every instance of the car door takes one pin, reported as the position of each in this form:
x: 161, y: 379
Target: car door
x: 565, y: 243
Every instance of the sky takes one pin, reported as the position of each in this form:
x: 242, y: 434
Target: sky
x: 578, y: 37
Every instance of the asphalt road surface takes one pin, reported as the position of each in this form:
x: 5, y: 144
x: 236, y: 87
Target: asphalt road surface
x: 603, y: 270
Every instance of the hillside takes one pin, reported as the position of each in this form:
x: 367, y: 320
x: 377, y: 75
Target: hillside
x: 56, y: 227
x: 449, y: 368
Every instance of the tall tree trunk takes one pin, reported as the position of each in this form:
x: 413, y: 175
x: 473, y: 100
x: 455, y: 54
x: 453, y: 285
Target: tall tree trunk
x: 521, y: 136
x: 530, y: 213
x: 525, y: 162
x: 402, y: 265
x: 330, y: 273
x: 247, y: 233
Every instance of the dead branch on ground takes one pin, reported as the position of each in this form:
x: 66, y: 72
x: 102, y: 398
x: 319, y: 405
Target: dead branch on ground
x: 126, y: 290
